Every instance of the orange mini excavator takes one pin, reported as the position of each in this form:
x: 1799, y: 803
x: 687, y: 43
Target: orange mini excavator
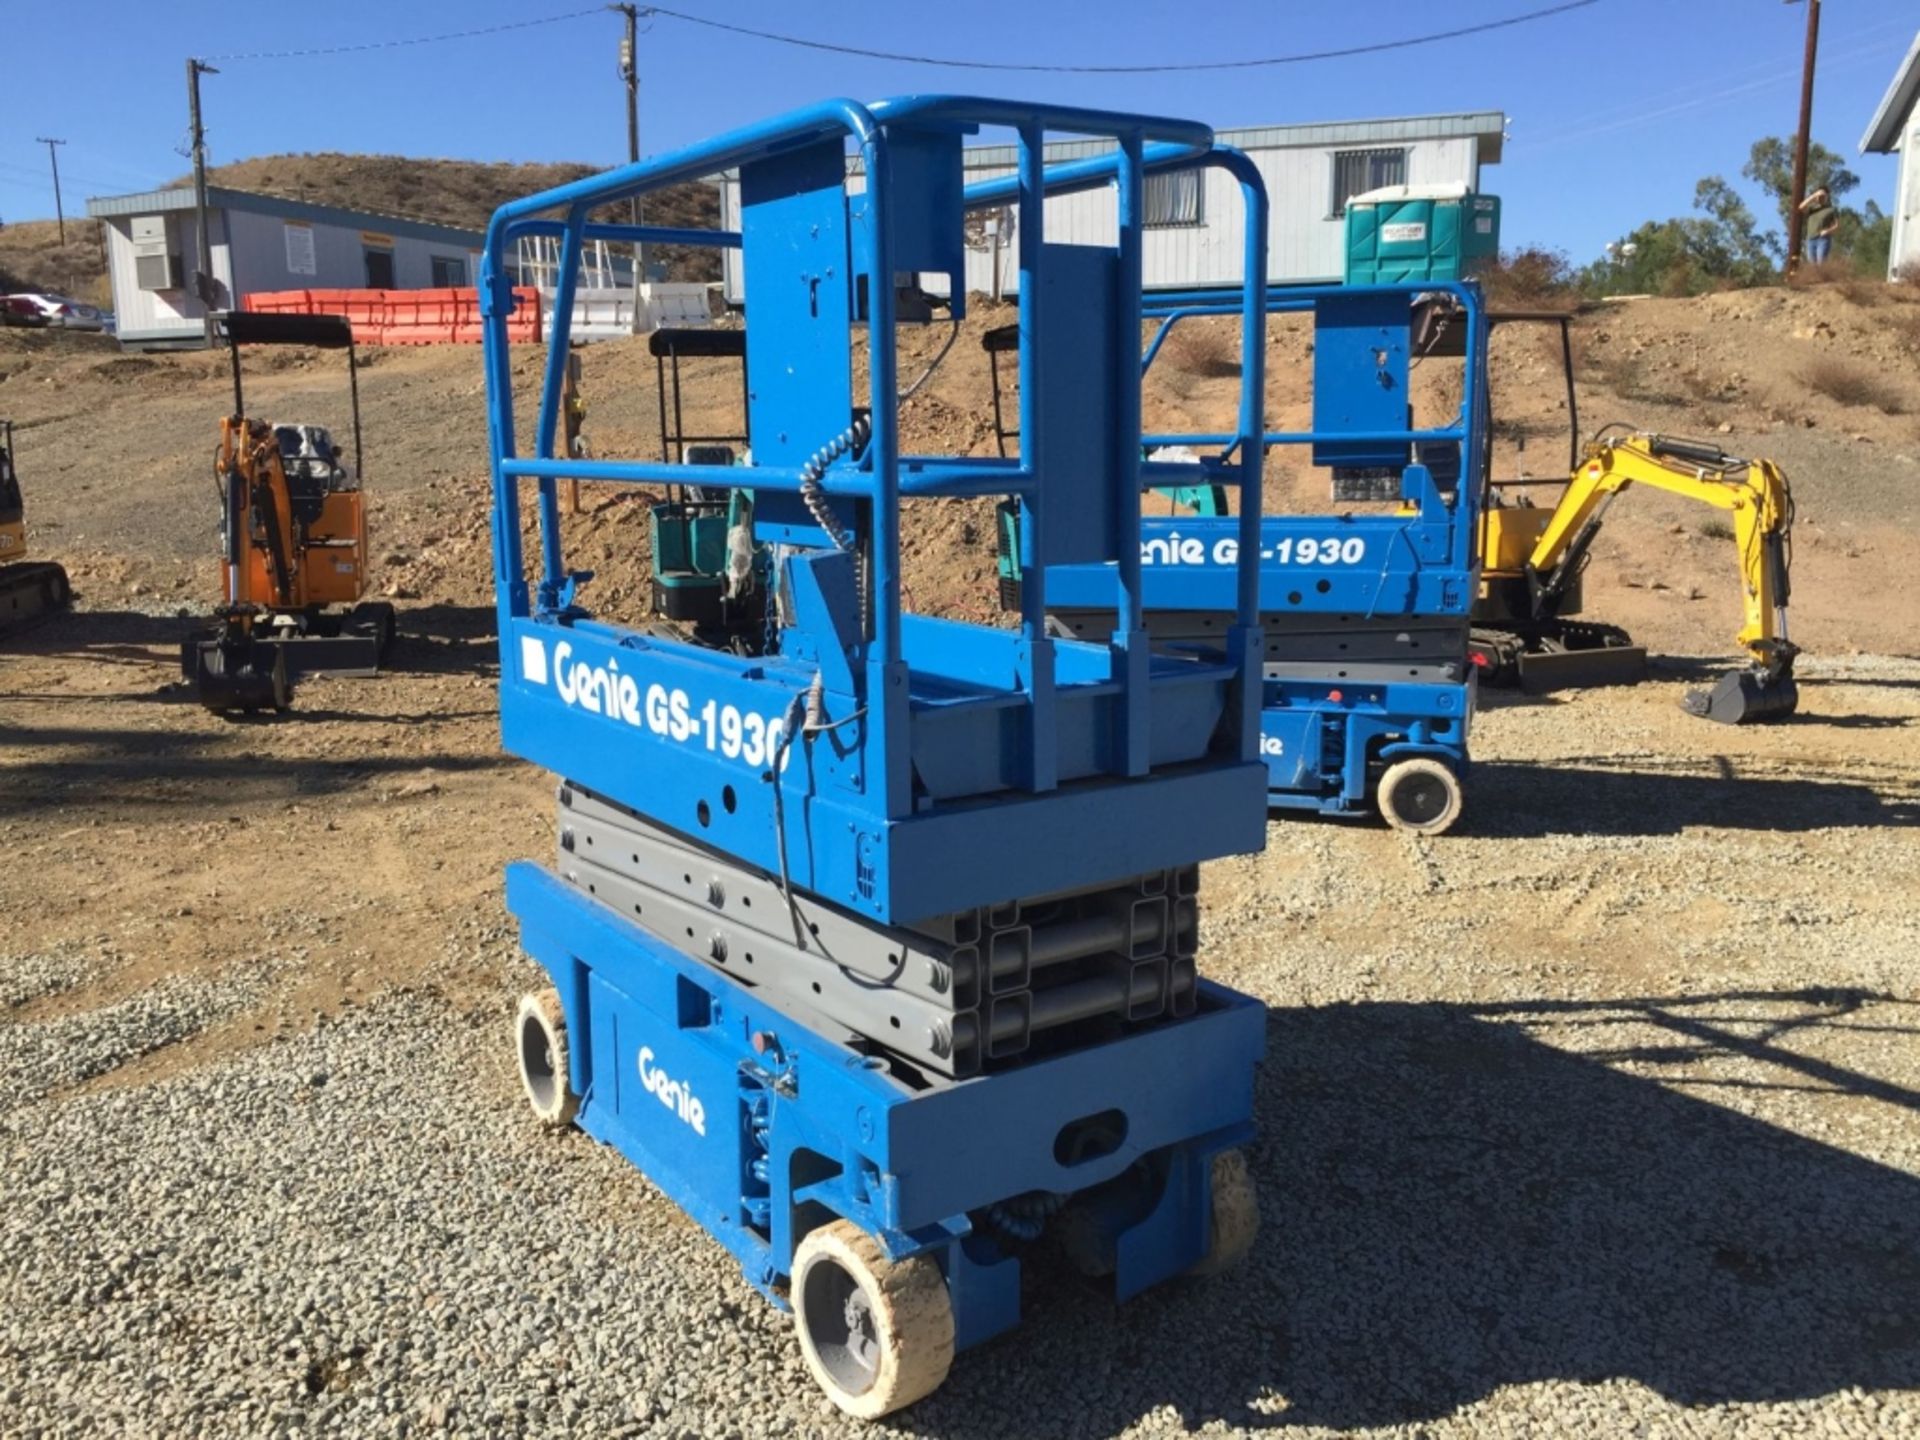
x: 294, y: 527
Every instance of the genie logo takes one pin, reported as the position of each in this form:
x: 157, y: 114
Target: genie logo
x: 676, y: 1095
x: 597, y: 689
x: 666, y: 711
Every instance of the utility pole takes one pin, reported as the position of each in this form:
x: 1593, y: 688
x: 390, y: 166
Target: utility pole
x: 59, y: 210
x: 203, y: 278
x: 1796, y: 218
x: 630, y: 73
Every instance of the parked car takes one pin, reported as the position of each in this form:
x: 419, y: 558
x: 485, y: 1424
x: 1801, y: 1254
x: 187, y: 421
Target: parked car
x: 63, y: 312
x: 20, y: 310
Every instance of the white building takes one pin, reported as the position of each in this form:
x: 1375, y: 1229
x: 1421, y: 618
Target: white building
x: 1895, y: 130
x: 1194, y: 218
x: 261, y: 243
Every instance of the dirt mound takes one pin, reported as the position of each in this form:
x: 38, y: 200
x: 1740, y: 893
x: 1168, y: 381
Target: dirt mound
x: 1732, y: 368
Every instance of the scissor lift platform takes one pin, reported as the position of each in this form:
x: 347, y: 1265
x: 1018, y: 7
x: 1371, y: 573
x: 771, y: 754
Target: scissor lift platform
x: 873, y: 937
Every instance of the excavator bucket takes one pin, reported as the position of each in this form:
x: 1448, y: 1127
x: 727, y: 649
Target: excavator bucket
x: 1746, y: 697
x: 236, y: 672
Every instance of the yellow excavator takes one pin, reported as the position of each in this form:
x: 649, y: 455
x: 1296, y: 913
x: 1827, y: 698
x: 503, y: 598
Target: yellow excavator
x: 28, y: 589
x: 1532, y: 557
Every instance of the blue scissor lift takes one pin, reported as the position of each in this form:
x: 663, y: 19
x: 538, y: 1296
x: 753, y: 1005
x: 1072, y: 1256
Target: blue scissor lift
x: 872, y: 936
x: 1369, y: 691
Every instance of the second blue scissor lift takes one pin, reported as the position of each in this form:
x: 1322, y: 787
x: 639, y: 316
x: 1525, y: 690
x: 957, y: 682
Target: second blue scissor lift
x: 1368, y: 690
x: 872, y: 937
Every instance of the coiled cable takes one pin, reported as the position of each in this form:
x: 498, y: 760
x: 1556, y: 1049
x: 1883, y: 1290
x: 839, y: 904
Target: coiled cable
x: 853, y: 438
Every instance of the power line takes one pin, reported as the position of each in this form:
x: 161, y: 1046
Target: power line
x: 1774, y: 71
x: 945, y: 62
x: 1596, y: 122
x: 416, y: 40
x: 40, y: 171
x: 1295, y: 59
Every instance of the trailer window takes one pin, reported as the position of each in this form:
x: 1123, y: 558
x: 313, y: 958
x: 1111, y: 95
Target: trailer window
x: 1357, y: 171
x: 448, y: 270
x: 1173, y: 199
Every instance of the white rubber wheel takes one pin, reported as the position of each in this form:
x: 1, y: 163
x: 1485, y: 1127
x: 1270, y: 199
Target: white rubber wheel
x: 540, y: 1045
x: 1419, y: 794
x: 1235, y: 1218
x: 876, y: 1333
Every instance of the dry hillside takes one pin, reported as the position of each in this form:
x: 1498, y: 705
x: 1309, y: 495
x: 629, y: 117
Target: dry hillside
x: 455, y: 192
x: 450, y: 192
x: 32, y: 258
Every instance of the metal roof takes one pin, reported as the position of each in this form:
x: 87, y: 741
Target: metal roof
x: 1488, y: 126
x: 152, y: 202
x: 1883, y: 132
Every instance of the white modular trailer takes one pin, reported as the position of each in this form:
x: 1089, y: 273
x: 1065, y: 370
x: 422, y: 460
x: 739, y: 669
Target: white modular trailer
x: 260, y: 243
x: 1895, y: 130
x: 1193, y: 235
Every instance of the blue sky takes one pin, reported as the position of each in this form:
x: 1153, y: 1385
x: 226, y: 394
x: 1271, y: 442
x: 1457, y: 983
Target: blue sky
x: 1616, y: 109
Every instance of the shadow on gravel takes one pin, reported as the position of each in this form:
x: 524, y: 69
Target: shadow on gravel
x: 1884, y: 682
x: 1451, y: 1205
x: 134, y: 767
x: 1599, y: 799
x: 432, y: 639
x: 124, y: 637
x: 1858, y: 722
x: 446, y: 640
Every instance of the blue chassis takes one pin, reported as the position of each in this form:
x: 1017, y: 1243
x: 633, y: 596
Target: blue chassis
x: 803, y: 1126
x: 1321, y: 750
x: 757, y: 1125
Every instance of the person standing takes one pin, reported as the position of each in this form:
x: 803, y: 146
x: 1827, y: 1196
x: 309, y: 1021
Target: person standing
x: 1821, y: 223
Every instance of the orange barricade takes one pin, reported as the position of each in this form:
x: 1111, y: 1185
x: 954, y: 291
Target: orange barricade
x: 440, y: 316
x: 283, y: 302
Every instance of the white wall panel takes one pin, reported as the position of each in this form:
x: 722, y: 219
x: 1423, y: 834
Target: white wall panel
x: 1305, y: 240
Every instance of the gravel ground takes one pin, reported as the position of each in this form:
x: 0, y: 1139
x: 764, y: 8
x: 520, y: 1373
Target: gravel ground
x: 1510, y: 1196
x: 1598, y: 1116
x: 1469, y: 1227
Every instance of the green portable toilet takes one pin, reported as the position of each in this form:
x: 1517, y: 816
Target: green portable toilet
x: 1419, y: 232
